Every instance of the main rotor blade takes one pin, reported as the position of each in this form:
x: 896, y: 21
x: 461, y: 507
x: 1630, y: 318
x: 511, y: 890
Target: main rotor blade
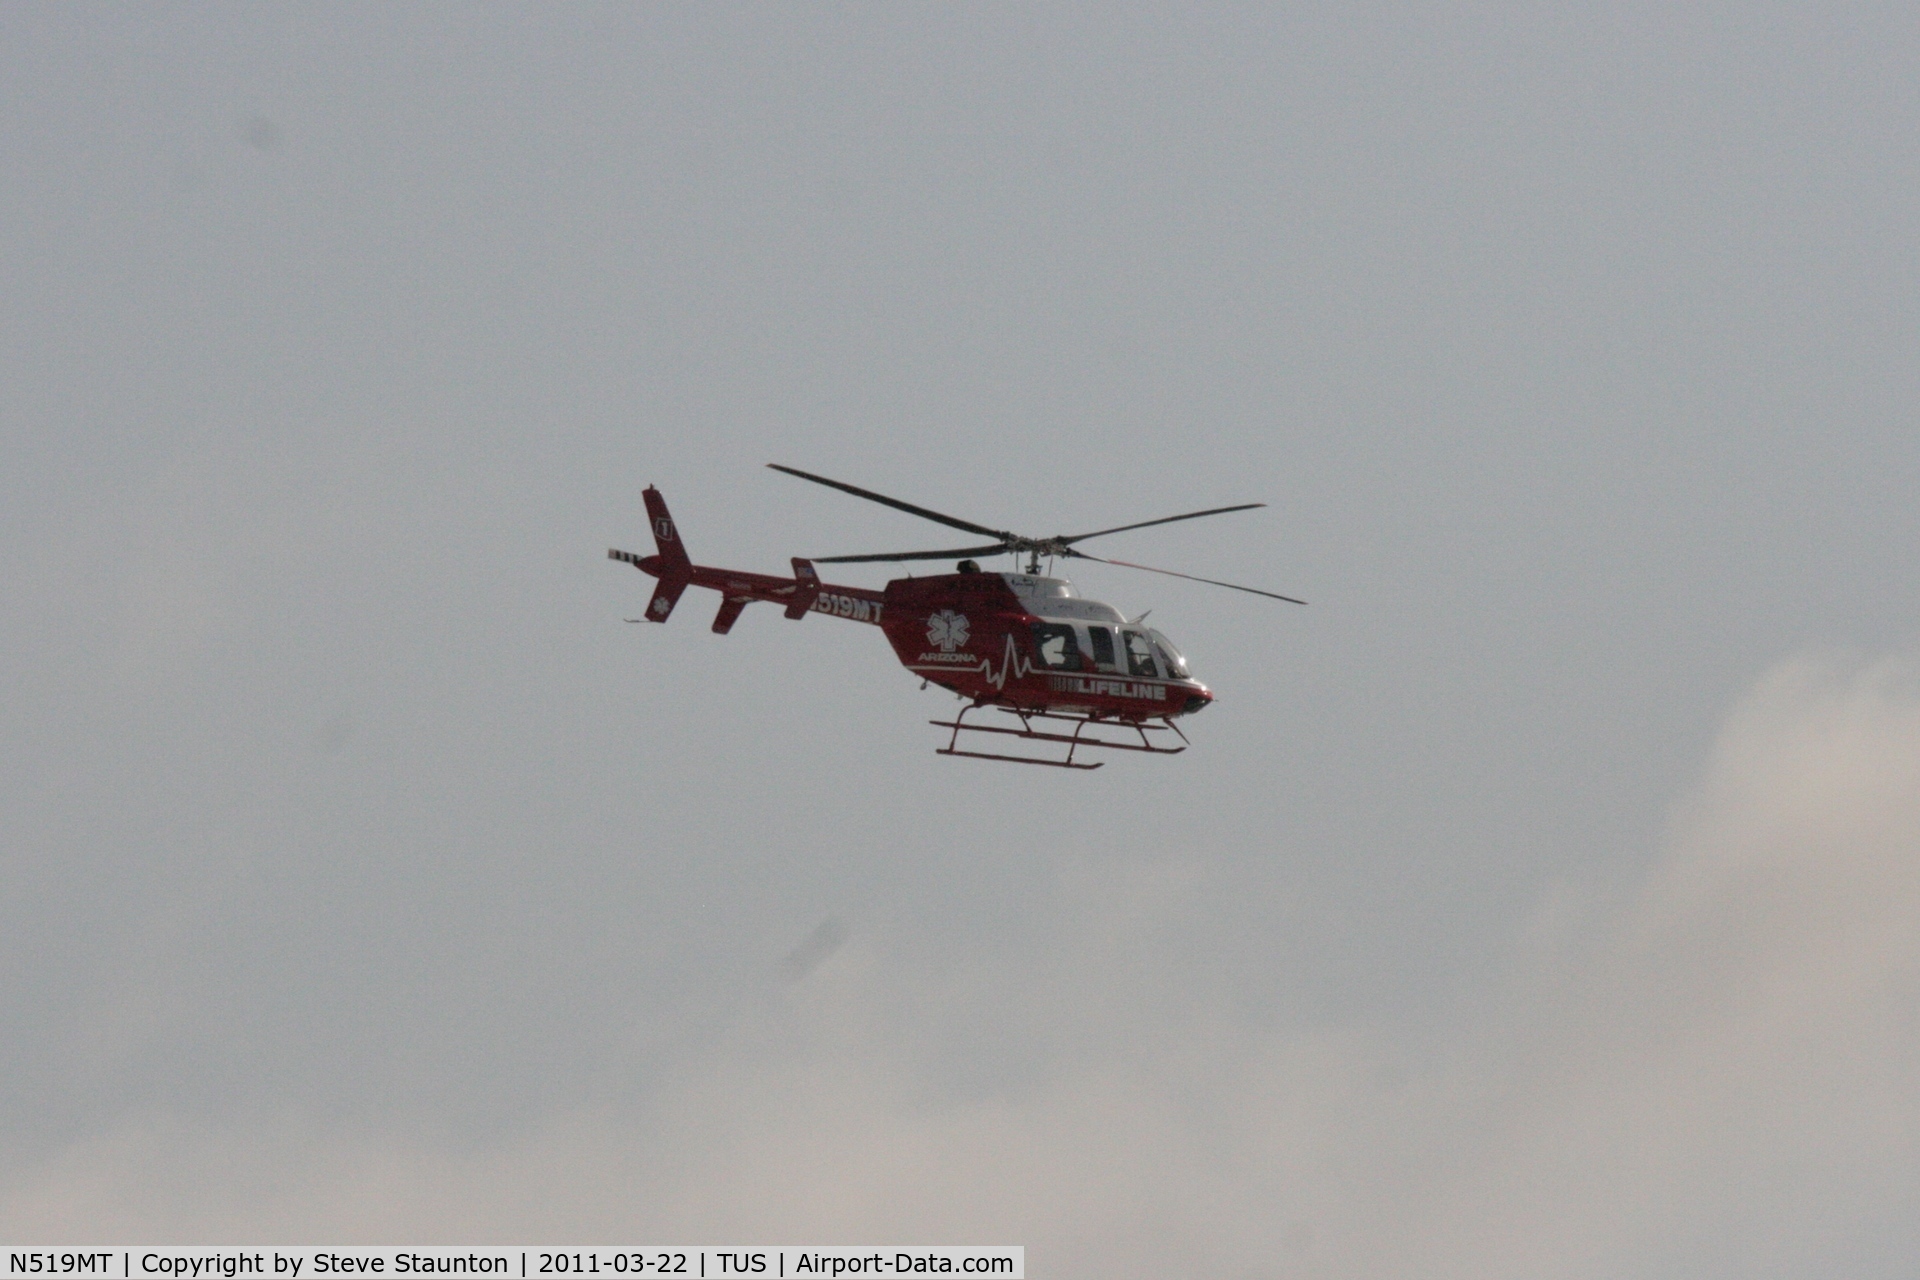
x: 958, y: 552
x: 1191, y: 515
x: 897, y: 505
x: 1124, y: 564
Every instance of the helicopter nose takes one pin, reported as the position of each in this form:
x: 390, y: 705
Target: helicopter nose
x: 1198, y: 700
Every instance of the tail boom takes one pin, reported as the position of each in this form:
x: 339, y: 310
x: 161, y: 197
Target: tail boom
x: 799, y: 595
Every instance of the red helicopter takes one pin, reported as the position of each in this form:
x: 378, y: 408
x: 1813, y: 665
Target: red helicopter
x: 1024, y: 643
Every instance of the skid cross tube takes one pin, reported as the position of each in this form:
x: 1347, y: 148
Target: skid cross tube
x: 1074, y: 740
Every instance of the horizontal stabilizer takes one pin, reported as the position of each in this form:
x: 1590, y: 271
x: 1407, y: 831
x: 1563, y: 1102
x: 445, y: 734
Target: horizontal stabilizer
x: 730, y: 607
x: 806, y: 588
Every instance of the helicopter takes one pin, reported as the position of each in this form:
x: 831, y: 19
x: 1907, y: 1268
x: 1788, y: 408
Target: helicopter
x: 1025, y: 644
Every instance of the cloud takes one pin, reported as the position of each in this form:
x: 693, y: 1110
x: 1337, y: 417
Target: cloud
x: 1717, y: 1075
x: 1728, y: 1081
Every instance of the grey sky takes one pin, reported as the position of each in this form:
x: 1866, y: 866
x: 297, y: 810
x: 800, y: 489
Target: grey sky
x: 366, y: 877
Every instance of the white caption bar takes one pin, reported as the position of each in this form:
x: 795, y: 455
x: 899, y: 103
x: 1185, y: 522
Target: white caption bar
x: 516, y: 1262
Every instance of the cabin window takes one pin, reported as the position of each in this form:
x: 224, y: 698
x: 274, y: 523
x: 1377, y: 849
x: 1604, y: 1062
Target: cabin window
x: 1055, y: 644
x: 1170, y: 657
x: 1139, y: 654
x: 1104, y: 656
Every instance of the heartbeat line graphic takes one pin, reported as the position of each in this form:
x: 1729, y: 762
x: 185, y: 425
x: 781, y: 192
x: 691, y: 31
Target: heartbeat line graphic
x: 1013, y: 665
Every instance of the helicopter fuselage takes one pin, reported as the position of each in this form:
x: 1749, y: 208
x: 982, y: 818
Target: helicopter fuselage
x: 1030, y: 642
x: 1021, y: 641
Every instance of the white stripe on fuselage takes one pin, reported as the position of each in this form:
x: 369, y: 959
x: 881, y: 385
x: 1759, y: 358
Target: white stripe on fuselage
x: 1013, y: 666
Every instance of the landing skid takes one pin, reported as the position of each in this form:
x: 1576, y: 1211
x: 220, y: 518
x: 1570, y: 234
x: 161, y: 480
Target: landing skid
x: 1073, y: 740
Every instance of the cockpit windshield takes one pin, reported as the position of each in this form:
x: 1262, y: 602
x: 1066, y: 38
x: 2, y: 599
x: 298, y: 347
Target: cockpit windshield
x: 1170, y: 657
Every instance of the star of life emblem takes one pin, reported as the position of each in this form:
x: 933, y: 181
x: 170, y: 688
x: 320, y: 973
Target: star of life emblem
x: 948, y: 630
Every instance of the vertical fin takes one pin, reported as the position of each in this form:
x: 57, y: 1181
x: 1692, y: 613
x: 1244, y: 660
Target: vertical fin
x: 665, y: 596
x: 673, y: 553
x: 676, y: 570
